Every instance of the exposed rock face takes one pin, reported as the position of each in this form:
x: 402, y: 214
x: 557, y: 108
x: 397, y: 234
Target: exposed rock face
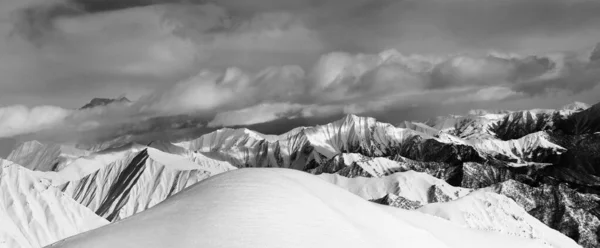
x: 584, y: 122
x: 398, y: 202
x: 104, y: 101
x: 518, y: 124
x: 574, y: 214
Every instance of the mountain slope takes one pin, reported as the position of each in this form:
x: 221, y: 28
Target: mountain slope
x: 35, y: 214
x: 419, y: 188
x: 492, y: 212
x: 139, y: 181
x: 283, y: 208
x: 44, y: 157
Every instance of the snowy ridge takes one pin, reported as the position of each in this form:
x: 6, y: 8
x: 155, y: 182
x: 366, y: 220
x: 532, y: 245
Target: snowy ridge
x: 139, y: 181
x: 34, y: 214
x: 493, y: 212
x: 44, y: 157
x: 411, y: 185
x: 522, y: 150
x: 466, y: 127
x: 284, y: 208
x: 303, y: 146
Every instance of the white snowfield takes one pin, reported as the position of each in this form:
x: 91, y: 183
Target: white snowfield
x: 480, y: 209
x: 34, y: 214
x: 414, y: 186
x: 285, y: 208
x: 493, y: 212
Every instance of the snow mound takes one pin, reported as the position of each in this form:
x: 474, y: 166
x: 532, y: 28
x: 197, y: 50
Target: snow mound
x: 283, y: 208
x: 34, y: 214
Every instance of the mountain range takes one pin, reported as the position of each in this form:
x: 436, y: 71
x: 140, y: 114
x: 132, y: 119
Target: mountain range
x: 525, y: 178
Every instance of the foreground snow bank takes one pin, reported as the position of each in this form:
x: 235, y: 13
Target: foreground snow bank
x: 282, y: 208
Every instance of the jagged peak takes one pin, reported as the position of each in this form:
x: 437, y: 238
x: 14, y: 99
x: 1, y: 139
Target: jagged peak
x: 105, y: 101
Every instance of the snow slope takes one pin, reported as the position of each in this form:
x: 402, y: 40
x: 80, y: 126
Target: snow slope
x: 304, y: 147
x: 493, y: 212
x: 283, y: 208
x: 38, y: 156
x: 34, y: 214
x: 411, y: 185
x: 139, y: 181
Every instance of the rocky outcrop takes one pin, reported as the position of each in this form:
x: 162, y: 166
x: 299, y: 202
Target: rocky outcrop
x: 574, y: 214
x: 104, y: 101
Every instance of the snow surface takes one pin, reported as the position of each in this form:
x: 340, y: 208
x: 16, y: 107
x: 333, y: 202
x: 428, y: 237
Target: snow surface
x: 35, y: 155
x: 139, y: 181
x: 34, y: 214
x: 283, y: 208
x: 518, y: 149
x: 414, y: 186
x: 493, y: 212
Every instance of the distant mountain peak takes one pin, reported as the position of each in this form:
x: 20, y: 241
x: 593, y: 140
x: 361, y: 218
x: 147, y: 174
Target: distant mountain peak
x: 104, y: 101
x: 576, y: 106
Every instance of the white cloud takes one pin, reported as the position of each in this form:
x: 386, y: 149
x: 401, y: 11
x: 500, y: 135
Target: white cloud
x: 18, y: 119
x: 261, y: 113
x: 489, y: 94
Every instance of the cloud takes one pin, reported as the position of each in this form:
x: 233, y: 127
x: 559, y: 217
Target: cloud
x: 220, y: 61
x: 18, y: 119
x: 261, y: 113
x: 490, y: 94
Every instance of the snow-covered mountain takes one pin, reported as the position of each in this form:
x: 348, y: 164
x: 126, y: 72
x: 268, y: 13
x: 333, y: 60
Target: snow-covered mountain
x: 121, y: 182
x: 286, y: 208
x: 436, y: 167
x: 33, y: 213
x: 38, y: 156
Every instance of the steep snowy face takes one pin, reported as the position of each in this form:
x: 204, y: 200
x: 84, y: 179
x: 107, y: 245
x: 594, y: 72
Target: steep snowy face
x: 34, y: 214
x: 283, y: 208
x: 245, y: 148
x: 44, y: 157
x: 535, y: 147
x: 466, y: 127
x: 521, y: 123
x: 357, y: 165
x: 139, y: 181
x: 309, y: 147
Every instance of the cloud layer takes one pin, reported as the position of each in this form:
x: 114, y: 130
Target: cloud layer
x: 232, y: 63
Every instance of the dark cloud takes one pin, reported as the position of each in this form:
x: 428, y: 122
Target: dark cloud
x: 219, y: 62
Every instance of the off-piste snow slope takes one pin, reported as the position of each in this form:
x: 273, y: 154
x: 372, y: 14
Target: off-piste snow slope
x: 120, y: 182
x: 285, y: 208
x: 34, y: 214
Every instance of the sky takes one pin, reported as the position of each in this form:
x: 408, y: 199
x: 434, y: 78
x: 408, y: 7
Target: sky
x: 251, y: 62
